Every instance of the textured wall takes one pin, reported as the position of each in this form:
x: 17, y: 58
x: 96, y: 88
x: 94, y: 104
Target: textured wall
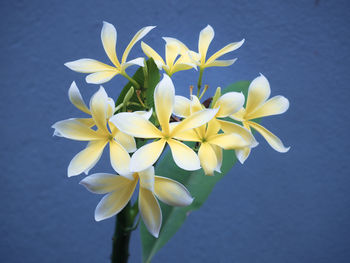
x: 290, y: 207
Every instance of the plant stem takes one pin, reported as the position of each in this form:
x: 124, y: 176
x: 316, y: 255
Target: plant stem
x: 121, y: 238
x: 199, y: 83
x: 134, y: 82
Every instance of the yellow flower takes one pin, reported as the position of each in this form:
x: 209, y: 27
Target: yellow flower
x: 100, y: 72
x: 205, y: 38
x: 119, y: 190
x: 212, y: 142
x: 76, y: 129
x: 138, y: 126
x: 172, y: 64
x: 258, y: 105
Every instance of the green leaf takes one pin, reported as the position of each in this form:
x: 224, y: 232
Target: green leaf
x: 147, y: 82
x: 199, y: 185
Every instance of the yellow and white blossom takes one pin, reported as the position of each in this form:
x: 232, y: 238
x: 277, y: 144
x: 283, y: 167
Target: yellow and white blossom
x: 212, y: 141
x: 119, y: 190
x: 76, y: 129
x: 138, y: 126
x: 101, y: 72
x: 258, y: 105
x: 173, y: 63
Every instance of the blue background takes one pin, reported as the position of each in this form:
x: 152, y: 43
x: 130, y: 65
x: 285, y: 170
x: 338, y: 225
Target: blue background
x: 291, y: 207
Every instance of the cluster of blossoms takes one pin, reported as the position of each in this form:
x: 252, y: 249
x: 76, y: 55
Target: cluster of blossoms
x: 173, y: 121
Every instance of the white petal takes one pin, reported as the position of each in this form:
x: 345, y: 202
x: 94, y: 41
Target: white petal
x: 171, y: 192
x: 146, y: 156
x: 145, y: 114
x: 242, y: 154
x: 75, y: 130
x: 101, y: 77
x: 221, y: 63
x: 136, y: 61
x: 87, y: 65
x: 207, y: 158
x: 151, y: 53
x: 147, y: 178
x: 230, y: 127
x: 272, y: 139
x: 102, y: 183
x: 228, y: 48
x: 109, y: 41
x: 228, y: 141
x: 274, y: 106
x: 138, y: 36
x: 229, y: 103
x: 184, y: 156
x: 219, y: 157
x: 127, y: 141
x: 182, y: 106
x: 76, y: 99
x: 258, y: 92
x: 87, y: 158
x: 150, y: 211
x: 120, y: 159
x: 205, y: 38
x: 164, y: 97
x: 99, y: 108
x: 135, y: 125
x: 195, y: 120
x: 114, y: 202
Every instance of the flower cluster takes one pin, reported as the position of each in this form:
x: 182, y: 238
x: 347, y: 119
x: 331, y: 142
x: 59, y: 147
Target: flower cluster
x: 223, y: 124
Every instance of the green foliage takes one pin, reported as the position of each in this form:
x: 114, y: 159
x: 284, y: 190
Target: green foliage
x: 147, y: 77
x: 199, y: 185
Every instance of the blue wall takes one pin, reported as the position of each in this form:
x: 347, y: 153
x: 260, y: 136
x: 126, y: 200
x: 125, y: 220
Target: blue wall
x: 290, y: 207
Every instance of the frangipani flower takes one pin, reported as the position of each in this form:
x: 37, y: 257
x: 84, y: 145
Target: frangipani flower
x: 212, y: 142
x: 205, y: 38
x: 172, y: 50
x: 119, y: 190
x: 258, y: 106
x: 100, y: 72
x: 119, y: 143
x: 137, y: 126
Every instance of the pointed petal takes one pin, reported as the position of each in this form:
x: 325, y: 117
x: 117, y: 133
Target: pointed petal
x: 137, y: 61
x: 150, y: 211
x: 102, y: 183
x: 89, y: 122
x: 146, y: 156
x: 147, y: 178
x: 182, y: 106
x: 195, y: 120
x: 205, y: 38
x: 229, y: 103
x: 151, y: 53
x: 274, y: 106
x: 87, y: 65
x: 99, y: 107
x: 75, y: 130
x: 138, y: 36
x: 258, y: 92
x: 184, y: 156
x: 219, y: 157
x: 135, y: 125
x: 171, y: 192
x: 230, y: 127
x: 242, y: 154
x: 101, y: 77
x: 145, y: 114
x: 229, y: 48
x: 220, y: 63
x: 120, y: 159
x: 114, y: 202
x: 213, y: 128
x: 207, y: 158
x: 272, y: 139
x: 228, y: 141
x: 183, y: 49
x: 127, y: 141
x: 188, y: 135
x: 164, y: 97
x: 76, y: 99
x: 182, y: 66
x: 87, y: 158
x: 196, y: 105
x: 109, y: 41
x: 171, y: 52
